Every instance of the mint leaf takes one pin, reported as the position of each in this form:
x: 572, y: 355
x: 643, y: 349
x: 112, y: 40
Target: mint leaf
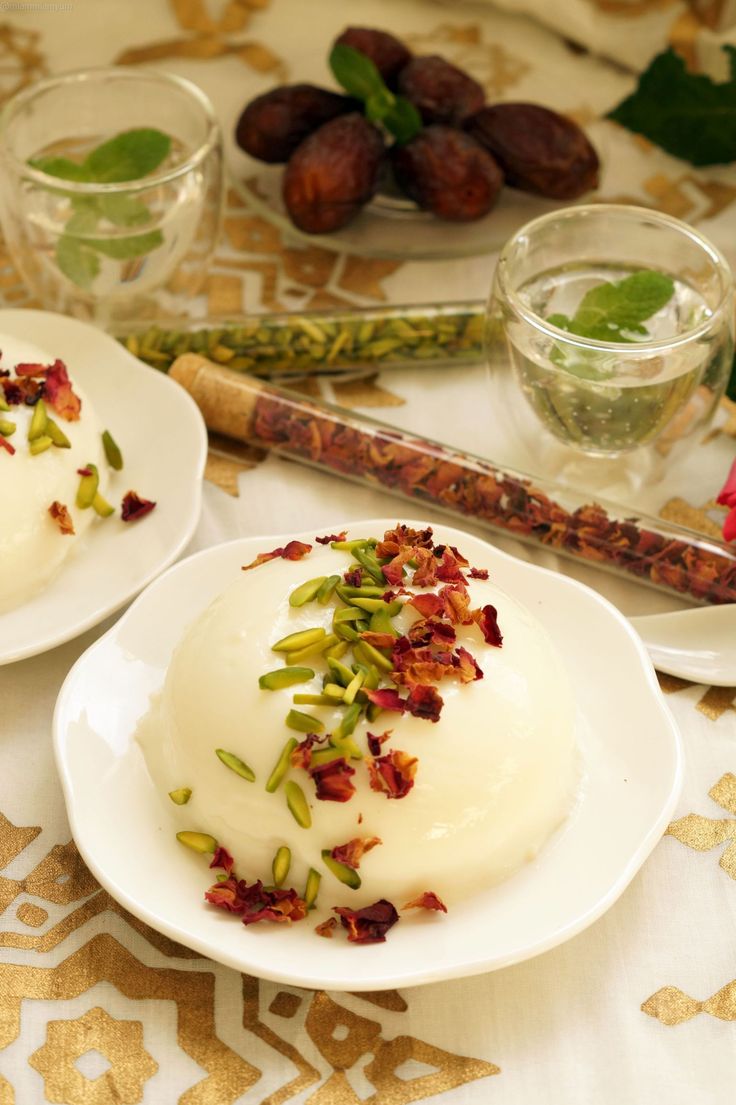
x: 608, y: 309
x: 131, y: 155
x: 402, y: 120
x: 562, y: 322
x: 62, y: 167
x: 123, y: 210
x: 688, y: 114
x: 123, y: 249
x: 355, y: 72
x: 76, y: 261
x: 359, y: 76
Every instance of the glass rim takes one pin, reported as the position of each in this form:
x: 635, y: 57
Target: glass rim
x: 115, y: 72
x: 718, y: 260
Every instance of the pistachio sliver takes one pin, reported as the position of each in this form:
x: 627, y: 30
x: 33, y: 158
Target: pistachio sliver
x: 88, y: 487
x: 326, y: 755
x: 353, y: 687
x: 371, y: 655
x: 336, y: 652
x: 312, y: 888
x: 368, y: 591
x: 371, y: 565
x: 294, y: 642
x: 334, y: 691
x: 346, y: 614
x: 7, y: 428
x: 281, y: 864
x: 235, y: 764
x: 306, y: 591
x: 198, y: 842
x: 345, y: 746
x: 282, y: 765
x: 350, y: 546
x: 326, y: 590
x: 284, y: 677
x: 346, y: 632
x: 374, y: 606
x: 39, y: 419
x: 347, y: 875
x: 180, y: 796
x: 57, y: 435
x: 381, y: 623
x: 342, y: 673
x: 39, y: 445
x: 373, y: 711
x: 297, y: 802
x: 304, y: 723
x: 101, y: 506
x: 4, y: 404
x: 349, y: 721
x: 313, y: 700
x: 112, y: 451
x: 311, y: 650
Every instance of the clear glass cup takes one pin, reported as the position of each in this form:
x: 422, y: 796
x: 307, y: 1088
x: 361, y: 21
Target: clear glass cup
x: 659, y: 381
x: 121, y: 249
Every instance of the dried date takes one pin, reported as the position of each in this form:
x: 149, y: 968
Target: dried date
x: 333, y: 173
x: 385, y: 51
x: 448, y: 173
x: 539, y: 150
x: 272, y: 126
x: 440, y: 91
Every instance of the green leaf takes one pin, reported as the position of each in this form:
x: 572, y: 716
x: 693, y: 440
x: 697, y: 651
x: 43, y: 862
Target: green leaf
x: 76, y: 261
x: 688, y: 114
x: 355, y: 72
x: 562, y: 322
x: 403, y: 120
x: 607, y: 309
x: 61, y: 167
x: 123, y: 210
x: 131, y: 155
x: 379, y: 104
x: 123, y: 249
x: 84, y: 220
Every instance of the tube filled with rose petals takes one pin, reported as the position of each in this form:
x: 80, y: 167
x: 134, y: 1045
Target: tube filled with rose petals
x: 540, y: 512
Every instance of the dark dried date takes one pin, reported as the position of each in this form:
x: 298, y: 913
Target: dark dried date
x: 386, y: 52
x: 272, y: 126
x: 539, y: 150
x: 448, y: 173
x: 333, y: 173
x: 440, y: 91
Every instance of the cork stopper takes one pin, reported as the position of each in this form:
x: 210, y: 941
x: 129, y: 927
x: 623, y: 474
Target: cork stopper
x: 226, y: 399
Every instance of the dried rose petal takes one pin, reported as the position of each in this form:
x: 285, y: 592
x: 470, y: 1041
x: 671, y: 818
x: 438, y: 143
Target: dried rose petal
x: 378, y: 640
x: 427, y: 900
x: 392, y: 774
x: 456, y: 601
x: 301, y: 756
x: 400, y: 536
x: 255, y: 903
x: 329, y: 538
x: 59, y: 394
x: 387, y: 699
x: 327, y: 928
x: 424, y: 702
x: 333, y: 780
x: 448, y: 568
x: 466, y: 666
x: 427, y: 604
x: 352, y: 853
x: 134, y: 507
x: 353, y: 578
x: 84, y: 471
x: 486, y: 619
x: 28, y: 369
x: 294, y: 550
x: 62, y: 517
x: 394, y: 570
x: 222, y: 858
x: 478, y: 573
x: 375, y: 741
x: 368, y: 925
x: 432, y: 631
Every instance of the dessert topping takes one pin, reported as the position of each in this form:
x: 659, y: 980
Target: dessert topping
x: 370, y: 924
x: 332, y: 780
x: 392, y: 774
x: 327, y: 928
x: 330, y: 538
x: 180, y: 796
x: 62, y: 517
x: 235, y: 764
x: 294, y: 550
x: 134, y: 507
x: 350, y: 854
x: 427, y: 900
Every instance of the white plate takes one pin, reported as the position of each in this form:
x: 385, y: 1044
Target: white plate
x: 164, y: 443
x: 125, y: 829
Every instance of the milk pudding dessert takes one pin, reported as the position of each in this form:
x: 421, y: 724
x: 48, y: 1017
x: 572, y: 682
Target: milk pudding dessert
x: 363, y: 727
x: 56, y: 463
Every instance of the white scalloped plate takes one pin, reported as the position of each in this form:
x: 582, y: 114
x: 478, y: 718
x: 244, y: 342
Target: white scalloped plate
x: 164, y: 442
x: 125, y: 830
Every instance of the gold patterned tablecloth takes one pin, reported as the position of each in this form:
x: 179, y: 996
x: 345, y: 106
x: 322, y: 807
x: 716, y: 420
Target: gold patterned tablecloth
x: 97, y: 1008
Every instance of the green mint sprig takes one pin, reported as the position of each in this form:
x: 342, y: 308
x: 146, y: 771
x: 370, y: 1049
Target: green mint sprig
x: 130, y: 155
x: 613, y: 312
x: 357, y: 74
x: 687, y: 114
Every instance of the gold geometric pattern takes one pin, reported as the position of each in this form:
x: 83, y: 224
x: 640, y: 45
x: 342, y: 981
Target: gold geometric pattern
x: 463, y: 44
x: 671, y: 1006
x: 120, y: 1042
x: 714, y: 703
x: 703, y: 833
x: 343, y: 1039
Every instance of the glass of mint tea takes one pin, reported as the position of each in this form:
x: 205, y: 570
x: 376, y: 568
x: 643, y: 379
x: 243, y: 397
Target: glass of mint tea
x: 619, y: 325
x: 111, y: 191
